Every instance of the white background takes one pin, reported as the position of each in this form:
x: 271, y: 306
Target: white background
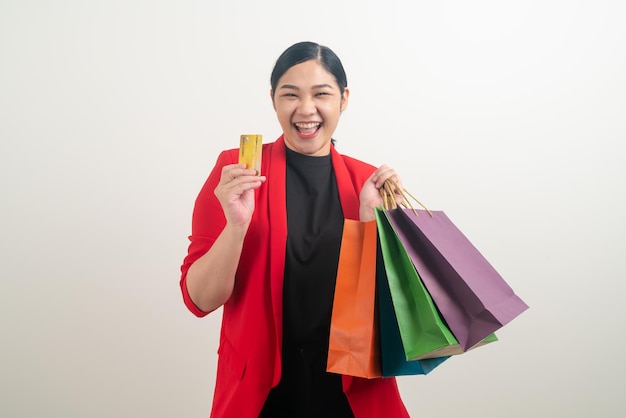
x: 508, y: 115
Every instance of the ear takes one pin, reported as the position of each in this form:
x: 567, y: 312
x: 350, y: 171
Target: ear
x: 272, y: 97
x: 344, y: 99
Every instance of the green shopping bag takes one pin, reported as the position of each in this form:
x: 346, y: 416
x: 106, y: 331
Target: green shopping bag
x: 424, y: 333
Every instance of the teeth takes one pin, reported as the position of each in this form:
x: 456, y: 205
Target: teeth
x: 308, y: 125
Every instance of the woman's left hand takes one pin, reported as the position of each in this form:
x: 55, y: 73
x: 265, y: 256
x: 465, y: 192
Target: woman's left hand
x: 371, y: 198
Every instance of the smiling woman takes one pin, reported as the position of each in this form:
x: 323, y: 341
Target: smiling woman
x: 308, y: 97
x: 308, y: 103
x: 266, y: 247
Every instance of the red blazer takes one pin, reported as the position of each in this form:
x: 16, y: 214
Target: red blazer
x: 249, y: 362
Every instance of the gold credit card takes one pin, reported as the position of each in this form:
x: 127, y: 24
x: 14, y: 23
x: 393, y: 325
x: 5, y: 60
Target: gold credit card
x: 250, y: 147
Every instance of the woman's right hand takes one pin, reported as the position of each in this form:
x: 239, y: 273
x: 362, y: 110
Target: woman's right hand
x: 211, y: 278
x: 235, y: 192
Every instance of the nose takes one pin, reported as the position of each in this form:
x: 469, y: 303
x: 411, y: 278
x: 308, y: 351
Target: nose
x: 307, y: 106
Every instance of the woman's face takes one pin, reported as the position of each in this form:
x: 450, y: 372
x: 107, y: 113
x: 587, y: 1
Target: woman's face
x: 308, y: 104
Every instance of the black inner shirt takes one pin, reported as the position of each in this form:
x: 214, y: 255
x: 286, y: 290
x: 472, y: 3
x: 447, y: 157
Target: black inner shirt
x: 314, y: 225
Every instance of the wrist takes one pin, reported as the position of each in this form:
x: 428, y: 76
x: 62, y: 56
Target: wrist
x: 236, y: 230
x: 366, y: 213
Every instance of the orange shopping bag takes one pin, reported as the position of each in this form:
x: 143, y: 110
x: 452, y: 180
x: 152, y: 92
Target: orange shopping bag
x: 354, y: 347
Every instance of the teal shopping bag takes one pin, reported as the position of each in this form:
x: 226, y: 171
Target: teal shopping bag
x: 393, y: 357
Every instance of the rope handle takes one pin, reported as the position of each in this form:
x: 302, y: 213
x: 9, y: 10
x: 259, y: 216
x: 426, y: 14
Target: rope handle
x: 388, y: 192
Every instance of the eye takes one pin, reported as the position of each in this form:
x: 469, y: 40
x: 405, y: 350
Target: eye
x: 322, y: 93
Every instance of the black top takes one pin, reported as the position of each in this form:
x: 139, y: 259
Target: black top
x: 314, y: 225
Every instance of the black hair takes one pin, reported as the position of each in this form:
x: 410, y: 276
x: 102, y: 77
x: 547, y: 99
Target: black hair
x: 305, y: 51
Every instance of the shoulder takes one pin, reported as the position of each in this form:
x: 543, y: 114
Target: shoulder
x: 356, y: 167
x: 350, y: 172
x: 354, y: 164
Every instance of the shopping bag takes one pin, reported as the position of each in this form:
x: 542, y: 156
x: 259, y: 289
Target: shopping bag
x: 354, y: 341
x: 472, y: 297
x: 393, y: 357
x: 423, y: 332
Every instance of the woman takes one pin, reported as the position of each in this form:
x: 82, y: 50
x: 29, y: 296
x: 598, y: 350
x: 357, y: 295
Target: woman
x: 266, y: 247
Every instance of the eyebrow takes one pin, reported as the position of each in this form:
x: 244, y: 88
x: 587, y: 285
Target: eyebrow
x: 317, y: 86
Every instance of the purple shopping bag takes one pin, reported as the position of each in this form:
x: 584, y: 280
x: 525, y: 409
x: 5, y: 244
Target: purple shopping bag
x: 470, y: 294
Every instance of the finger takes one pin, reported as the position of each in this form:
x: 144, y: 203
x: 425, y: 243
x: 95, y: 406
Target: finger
x: 385, y: 173
x: 239, y: 185
x: 234, y: 171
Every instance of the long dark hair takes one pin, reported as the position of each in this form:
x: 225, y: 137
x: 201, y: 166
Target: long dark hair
x: 305, y: 51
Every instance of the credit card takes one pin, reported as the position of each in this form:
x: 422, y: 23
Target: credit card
x: 250, y: 147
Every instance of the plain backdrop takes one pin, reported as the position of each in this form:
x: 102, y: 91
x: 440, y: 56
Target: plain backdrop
x: 508, y: 115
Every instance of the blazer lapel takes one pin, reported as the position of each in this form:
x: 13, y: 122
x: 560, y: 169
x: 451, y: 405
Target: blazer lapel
x: 348, y: 194
x: 276, y: 183
x: 349, y: 197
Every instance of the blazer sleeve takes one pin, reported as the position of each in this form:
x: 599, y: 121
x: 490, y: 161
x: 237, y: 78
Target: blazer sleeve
x: 208, y: 221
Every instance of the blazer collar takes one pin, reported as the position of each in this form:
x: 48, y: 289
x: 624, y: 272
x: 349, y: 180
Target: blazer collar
x: 349, y: 197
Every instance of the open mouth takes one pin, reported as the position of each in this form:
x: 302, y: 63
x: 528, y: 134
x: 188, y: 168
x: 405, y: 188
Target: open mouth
x: 307, y: 128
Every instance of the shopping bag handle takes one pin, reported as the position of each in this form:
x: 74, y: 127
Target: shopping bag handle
x: 388, y: 193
